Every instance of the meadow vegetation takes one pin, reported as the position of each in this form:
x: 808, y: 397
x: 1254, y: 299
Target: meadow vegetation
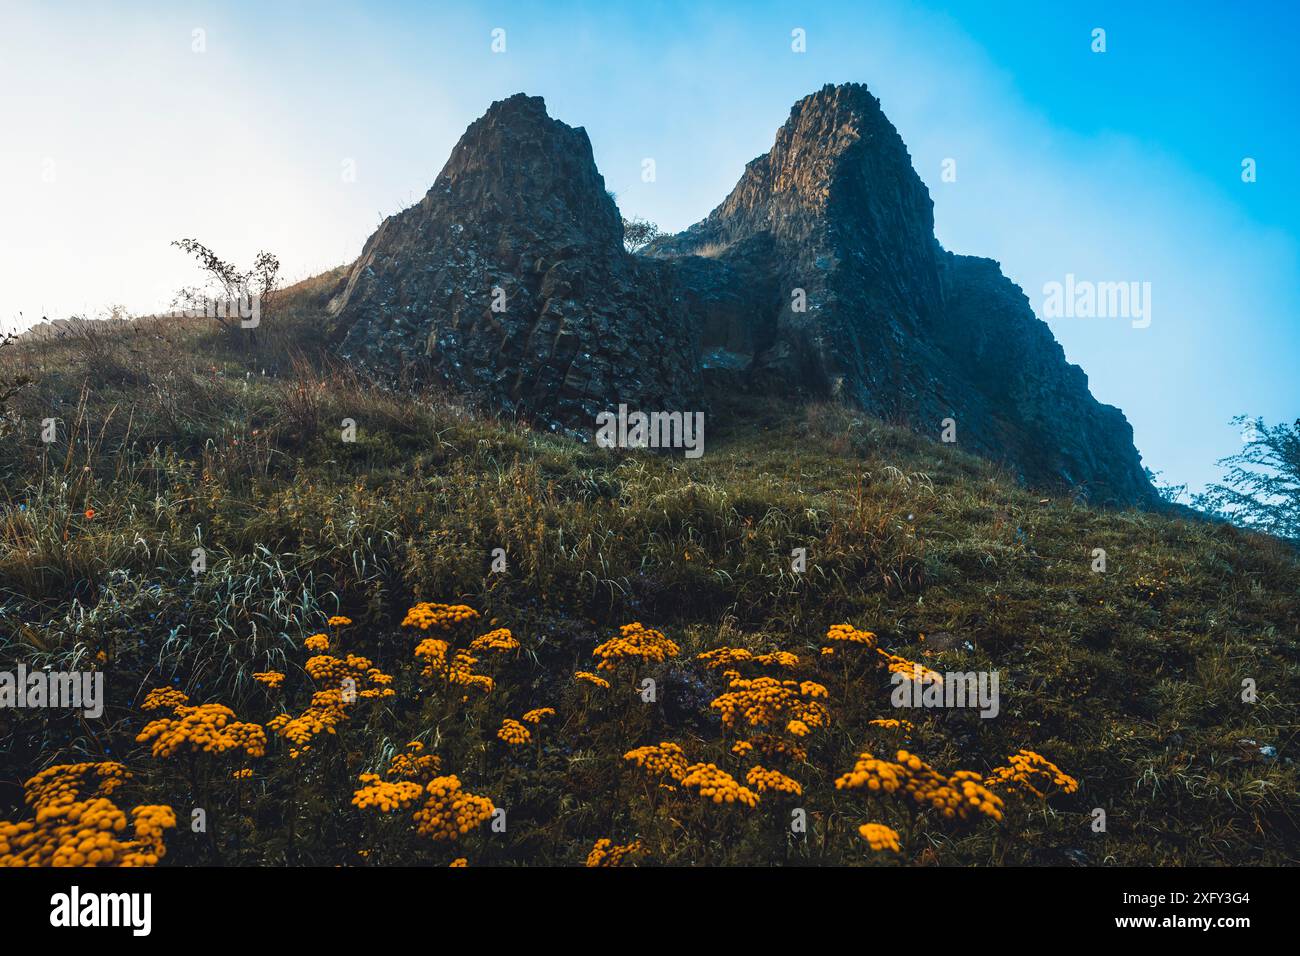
x: 347, y: 679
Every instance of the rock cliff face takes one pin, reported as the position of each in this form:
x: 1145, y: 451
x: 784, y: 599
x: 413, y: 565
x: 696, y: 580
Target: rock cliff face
x: 819, y: 275
x: 509, y: 280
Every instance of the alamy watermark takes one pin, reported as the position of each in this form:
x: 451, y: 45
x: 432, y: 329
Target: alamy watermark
x: 624, y: 429
x: 83, y: 690
x: 73, y: 909
x: 931, y: 689
x: 247, y: 308
x: 1084, y: 299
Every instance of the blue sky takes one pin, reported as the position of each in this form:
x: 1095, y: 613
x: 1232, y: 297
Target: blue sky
x: 120, y: 136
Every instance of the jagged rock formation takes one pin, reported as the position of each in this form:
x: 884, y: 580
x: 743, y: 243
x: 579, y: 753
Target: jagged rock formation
x: 1020, y: 400
x: 819, y: 275
x: 509, y: 279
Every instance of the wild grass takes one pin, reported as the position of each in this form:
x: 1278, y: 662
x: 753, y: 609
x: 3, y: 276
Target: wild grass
x: 172, y: 437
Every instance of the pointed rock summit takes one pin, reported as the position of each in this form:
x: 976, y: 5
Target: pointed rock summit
x: 509, y: 280
x: 818, y: 276
x: 835, y: 215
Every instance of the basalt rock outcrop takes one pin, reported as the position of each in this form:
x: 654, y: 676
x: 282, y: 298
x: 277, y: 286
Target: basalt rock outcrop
x: 509, y: 280
x: 818, y: 276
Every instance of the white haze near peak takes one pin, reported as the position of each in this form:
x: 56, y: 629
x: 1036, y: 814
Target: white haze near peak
x: 245, y: 146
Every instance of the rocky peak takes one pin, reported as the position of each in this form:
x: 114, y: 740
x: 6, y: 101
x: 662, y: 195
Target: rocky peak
x: 847, y: 229
x: 509, y: 281
x: 836, y: 158
x: 819, y: 275
x: 515, y: 164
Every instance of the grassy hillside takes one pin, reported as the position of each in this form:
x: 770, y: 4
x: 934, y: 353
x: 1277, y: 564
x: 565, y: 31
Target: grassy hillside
x: 172, y: 438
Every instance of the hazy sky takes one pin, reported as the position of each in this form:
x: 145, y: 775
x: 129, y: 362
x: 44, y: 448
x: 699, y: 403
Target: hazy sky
x: 121, y: 129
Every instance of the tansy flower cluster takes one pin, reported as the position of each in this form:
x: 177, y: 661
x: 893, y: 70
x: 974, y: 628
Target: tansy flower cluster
x: 766, y: 701
x: 774, y: 745
x: 892, y: 723
x: 964, y: 796
x: 69, y: 830
x: 730, y: 656
x: 591, y: 678
x: 325, y: 712
x: 1028, y: 772
x: 365, y: 679
x: 385, y: 795
x: 149, y: 822
x: 914, y: 671
x: 453, y: 667
x: 879, y: 837
x: 65, y: 833
x: 206, y: 728
x: 356, y: 675
x: 848, y: 634
x: 499, y: 641
x: 164, y: 698
x: 724, y: 657
x: 414, y: 763
x: 407, y: 772
x: 876, y: 775
x: 58, y: 782
x: 607, y: 853
x: 843, y: 635
x: 778, y: 659
x: 514, y: 733
x: 269, y: 678
x: 717, y: 785
x: 539, y: 714
x: 773, y: 781
x: 664, y: 760
x: 961, y: 796
x: 634, y: 643
x: 443, y: 617
x: 450, y: 812
x: 433, y: 651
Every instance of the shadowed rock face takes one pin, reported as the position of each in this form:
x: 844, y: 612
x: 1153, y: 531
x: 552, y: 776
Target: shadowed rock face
x: 819, y: 275
x: 578, y: 325
x: 1023, y: 402
x: 889, y: 320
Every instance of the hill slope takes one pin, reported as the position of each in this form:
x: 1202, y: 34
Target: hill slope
x: 171, y: 439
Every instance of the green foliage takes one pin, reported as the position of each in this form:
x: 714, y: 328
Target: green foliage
x: 229, y: 281
x: 639, y: 233
x: 1261, y: 489
x: 1130, y: 680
